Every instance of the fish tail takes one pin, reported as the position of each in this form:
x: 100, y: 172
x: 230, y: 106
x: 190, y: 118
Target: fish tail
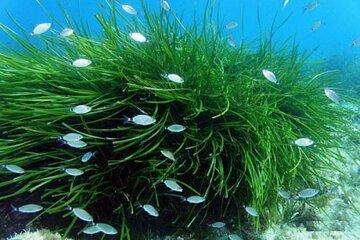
x: 68, y: 208
x: 125, y: 119
x: 81, y: 231
x: 13, y: 208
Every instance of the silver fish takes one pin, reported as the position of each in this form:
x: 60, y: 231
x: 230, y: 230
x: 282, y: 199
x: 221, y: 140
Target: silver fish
x: 218, y: 225
x: 83, y: 214
x: 304, y: 142
x: 356, y: 42
x: 77, y: 144
x: 129, y: 9
x: 252, y: 211
x: 311, y: 6
x: 332, y: 95
x: 41, y: 28
x: 72, y: 137
x: 106, y: 228
x: 173, y: 78
x: 91, y: 230
x: 284, y: 194
x: 150, y: 209
x: 231, y: 41
x: 316, y: 25
x: 173, y: 185
x: 87, y: 156
x: 138, y: 37
x: 81, y: 63
x: 231, y: 25
x: 176, y: 128
x: 142, y: 119
x: 74, y: 172
x: 165, y: 5
x: 29, y: 208
x: 81, y: 109
x: 168, y: 154
x: 308, y: 193
x: 234, y: 237
x: 66, y: 32
x: 270, y: 76
x: 14, y: 168
x: 195, y: 199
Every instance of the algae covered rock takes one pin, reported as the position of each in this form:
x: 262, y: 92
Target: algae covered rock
x: 38, y: 235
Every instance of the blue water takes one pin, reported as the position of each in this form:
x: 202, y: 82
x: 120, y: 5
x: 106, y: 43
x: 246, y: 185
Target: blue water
x: 341, y: 18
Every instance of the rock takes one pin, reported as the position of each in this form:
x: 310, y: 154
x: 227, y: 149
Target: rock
x: 38, y: 235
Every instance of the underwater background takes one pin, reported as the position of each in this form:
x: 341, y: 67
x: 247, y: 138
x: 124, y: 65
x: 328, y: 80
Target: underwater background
x: 331, y: 47
x: 340, y: 18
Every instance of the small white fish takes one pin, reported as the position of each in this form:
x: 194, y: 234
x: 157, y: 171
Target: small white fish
x: 138, y: 37
x: 150, y: 210
x: 284, y: 194
x: 87, y: 156
x: 270, y: 76
x: 106, y: 228
x: 81, y: 63
x: 173, y: 78
x: 83, y: 214
x: 81, y: 109
x: 332, y: 95
x: 252, y: 211
x: 234, y: 237
x: 14, y: 168
x: 168, y: 154
x: 77, y: 144
x: 66, y: 32
x: 316, y: 25
x: 71, y: 137
x: 231, y: 41
x: 218, y: 225
x: 231, y: 25
x: 74, y: 172
x: 165, y: 5
x: 286, y: 2
x: 141, y: 119
x: 29, y: 208
x: 304, y: 142
x: 311, y: 6
x: 176, y: 128
x: 129, y: 9
x: 41, y: 28
x: 195, y: 199
x: 91, y: 230
x: 308, y: 193
x: 173, y: 185
x: 356, y: 42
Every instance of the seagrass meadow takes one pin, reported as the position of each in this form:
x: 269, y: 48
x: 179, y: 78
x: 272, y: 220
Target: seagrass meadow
x: 233, y: 145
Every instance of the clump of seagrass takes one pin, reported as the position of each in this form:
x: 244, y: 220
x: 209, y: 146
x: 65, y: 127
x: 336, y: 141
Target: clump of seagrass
x: 236, y: 150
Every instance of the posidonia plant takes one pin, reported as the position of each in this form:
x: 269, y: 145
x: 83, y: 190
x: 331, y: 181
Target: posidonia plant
x: 236, y: 148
